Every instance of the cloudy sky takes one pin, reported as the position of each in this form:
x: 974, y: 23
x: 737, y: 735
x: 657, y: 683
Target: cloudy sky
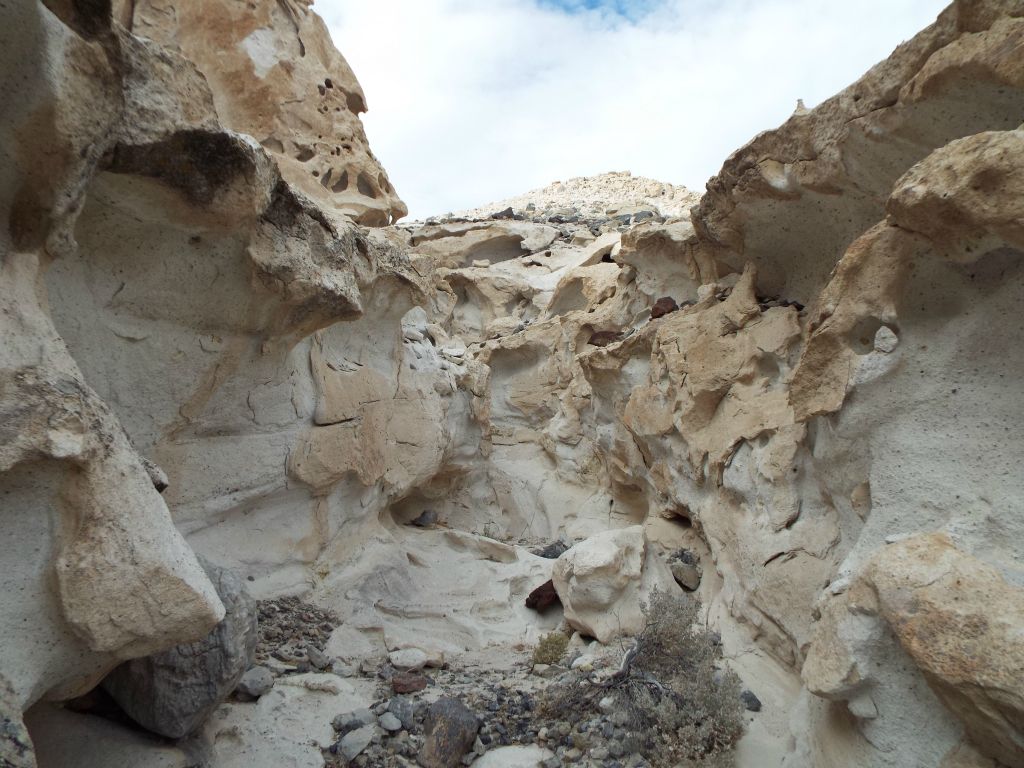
x: 472, y: 101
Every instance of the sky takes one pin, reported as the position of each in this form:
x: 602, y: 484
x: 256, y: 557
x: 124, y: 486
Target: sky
x: 473, y: 101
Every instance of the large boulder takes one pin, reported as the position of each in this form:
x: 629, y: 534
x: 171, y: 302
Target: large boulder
x: 450, y: 731
x: 603, y: 580
x: 963, y: 625
x: 173, y: 692
x: 956, y: 618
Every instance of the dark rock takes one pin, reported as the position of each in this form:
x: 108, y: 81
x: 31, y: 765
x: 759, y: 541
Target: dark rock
x: 543, y: 597
x: 604, y: 338
x: 642, y: 216
x: 254, y: 683
x: 426, y: 519
x: 404, y: 710
x: 663, y: 306
x: 552, y: 551
x: 317, y: 658
x: 354, y: 742
x: 624, y: 218
x: 171, y: 693
x: 686, y: 575
x: 351, y: 721
x: 750, y: 701
x: 407, y: 682
x: 508, y: 213
x: 450, y: 730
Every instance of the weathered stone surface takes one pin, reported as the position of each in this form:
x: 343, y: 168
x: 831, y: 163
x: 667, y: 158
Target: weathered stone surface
x: 795, y: 197
x: 255, y: 682
x: 172, y: 692
x: 603, y: 581
x: 15, y: 744
x: 449, y: 731
x: 275, y: 75
x: 191, y: 310
x: 532, y: 756
x: 289, y: 726
x: 960, y: 622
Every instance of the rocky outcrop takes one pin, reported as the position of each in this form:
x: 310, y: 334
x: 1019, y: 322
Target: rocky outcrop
x: 794, y: 198
x: 604, y: 582
x: 159, y: 266
x: 810, y: 388
x: 274, y: 75
x: 171, y: 693
x: 955, y: 618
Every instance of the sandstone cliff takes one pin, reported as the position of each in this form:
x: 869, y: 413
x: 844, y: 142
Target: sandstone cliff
x: 217, y: 341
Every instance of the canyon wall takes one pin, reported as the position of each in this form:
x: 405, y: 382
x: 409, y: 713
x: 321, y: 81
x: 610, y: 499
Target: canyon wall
x: 217, y: 341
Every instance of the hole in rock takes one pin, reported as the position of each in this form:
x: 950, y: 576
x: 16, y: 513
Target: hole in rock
x: 365, y: 186
x: 342, y: 183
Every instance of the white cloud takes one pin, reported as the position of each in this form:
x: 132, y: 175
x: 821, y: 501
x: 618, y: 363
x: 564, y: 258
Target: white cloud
x: 475, y: 100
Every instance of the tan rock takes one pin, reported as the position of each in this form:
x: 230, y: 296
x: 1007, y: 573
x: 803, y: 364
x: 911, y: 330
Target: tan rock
x: 602, y: 582
x: 961, y: 623
x: 276, y: 76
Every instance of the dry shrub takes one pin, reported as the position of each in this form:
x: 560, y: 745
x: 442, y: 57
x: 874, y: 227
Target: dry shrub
x: 680, y: 709
x: 551, y: 648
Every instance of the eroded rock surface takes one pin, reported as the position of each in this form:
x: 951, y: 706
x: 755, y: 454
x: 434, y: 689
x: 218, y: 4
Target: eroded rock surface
x: 171, y: 693
x: 812, y: 387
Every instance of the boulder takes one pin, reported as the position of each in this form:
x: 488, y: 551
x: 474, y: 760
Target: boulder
x: 543, y: 597
x: 963, y: 625
x: 354, y: 742
x: 171, y: 693
x: 255, y: 682
x: 604, y: 338
x: 663, y: 306
x: 408, y: 659
x: 407, y: 682
x: 450, y: 730
x: 603, y: 580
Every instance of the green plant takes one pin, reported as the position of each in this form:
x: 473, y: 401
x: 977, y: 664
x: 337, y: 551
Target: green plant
x: 551, y: 648
x: 677, y: 706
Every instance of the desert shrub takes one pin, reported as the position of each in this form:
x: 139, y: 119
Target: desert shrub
x: 678, y: 707
x: 551, y: 648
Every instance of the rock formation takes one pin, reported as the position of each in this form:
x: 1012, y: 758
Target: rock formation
x: 216, y: 340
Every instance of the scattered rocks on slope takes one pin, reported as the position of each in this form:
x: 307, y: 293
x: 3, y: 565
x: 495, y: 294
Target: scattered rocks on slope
x: 293, y: 632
